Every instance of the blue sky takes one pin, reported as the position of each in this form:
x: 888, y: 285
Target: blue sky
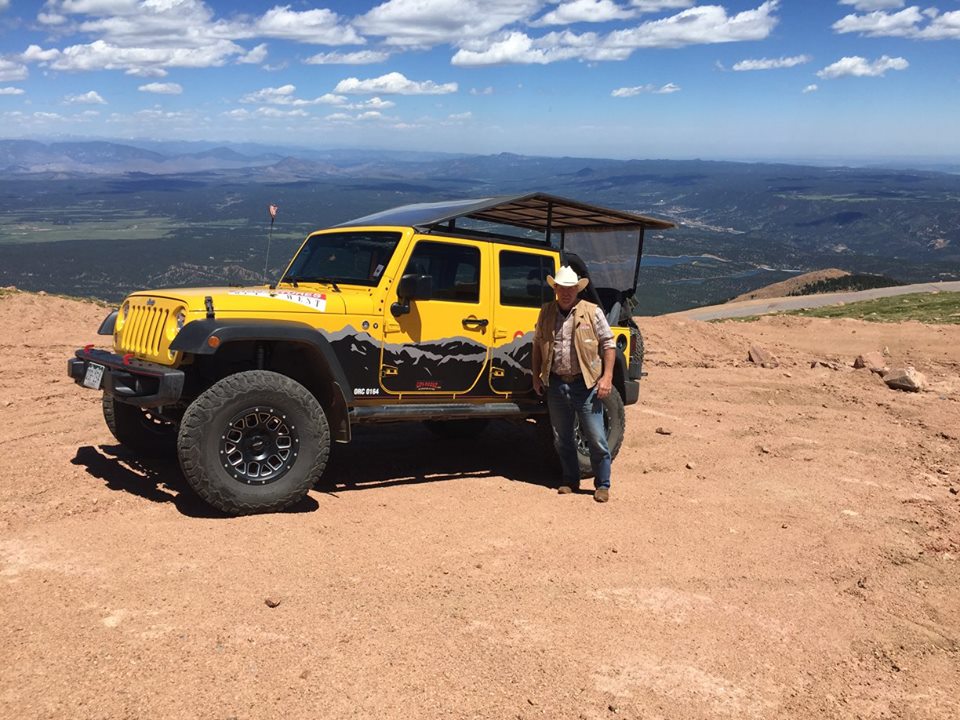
x: 741, y: 79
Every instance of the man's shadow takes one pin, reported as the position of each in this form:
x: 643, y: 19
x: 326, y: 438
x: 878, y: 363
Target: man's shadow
x: 377, y: 457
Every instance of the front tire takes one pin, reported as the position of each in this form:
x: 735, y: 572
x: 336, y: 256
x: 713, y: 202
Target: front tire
x: 254, y: 442
x: 138, y: 429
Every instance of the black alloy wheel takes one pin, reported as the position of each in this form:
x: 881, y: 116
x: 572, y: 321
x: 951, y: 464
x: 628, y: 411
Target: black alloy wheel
x: 259, y: 445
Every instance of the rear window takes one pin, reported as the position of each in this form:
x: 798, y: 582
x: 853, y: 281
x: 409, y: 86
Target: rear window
x: 523, y: 279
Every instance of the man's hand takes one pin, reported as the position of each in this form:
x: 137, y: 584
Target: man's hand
x: 537, y: 385
x: 605, y: 383
x: 604, y: 386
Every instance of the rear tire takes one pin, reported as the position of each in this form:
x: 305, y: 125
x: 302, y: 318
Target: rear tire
x: 636, y: 353
x: 254, y: 442
x: 138, y: 429
x: 614, y: 420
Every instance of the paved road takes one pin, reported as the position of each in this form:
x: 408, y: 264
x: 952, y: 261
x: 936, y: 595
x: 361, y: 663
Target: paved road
x: 772, y: 305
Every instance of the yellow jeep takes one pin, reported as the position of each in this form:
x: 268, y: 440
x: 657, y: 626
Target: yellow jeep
x: 424, y: 312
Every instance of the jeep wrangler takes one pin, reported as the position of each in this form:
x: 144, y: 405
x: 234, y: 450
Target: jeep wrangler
x: 424, y: 312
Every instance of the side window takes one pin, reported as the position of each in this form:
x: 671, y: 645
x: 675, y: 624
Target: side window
x: 455, y: 270
x: 523, y: 279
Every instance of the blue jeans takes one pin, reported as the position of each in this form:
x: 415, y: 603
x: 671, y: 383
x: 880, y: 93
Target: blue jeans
x: 567, y: 402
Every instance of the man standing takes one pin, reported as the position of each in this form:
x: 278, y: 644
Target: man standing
x: 573, y: 357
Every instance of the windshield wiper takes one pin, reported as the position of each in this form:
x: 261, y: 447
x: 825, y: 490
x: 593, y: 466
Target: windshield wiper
x: 294, y: 279
x: 328, y: 281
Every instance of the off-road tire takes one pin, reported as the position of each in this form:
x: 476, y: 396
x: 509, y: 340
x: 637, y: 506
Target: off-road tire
x: 636, y: 352
x: 614, y: 419
x: 457, y: 429
x: 139, y: 429
x: 253, y: 442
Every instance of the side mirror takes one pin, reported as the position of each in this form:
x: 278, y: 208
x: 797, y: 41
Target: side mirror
x: 411, y: 287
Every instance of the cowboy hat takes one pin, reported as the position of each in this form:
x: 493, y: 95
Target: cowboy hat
x: 566, y: 277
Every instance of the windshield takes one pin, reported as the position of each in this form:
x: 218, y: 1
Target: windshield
x: 356, y: 258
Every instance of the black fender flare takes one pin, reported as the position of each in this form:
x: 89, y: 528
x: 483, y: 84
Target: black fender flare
x: 619, y: 372
x: 195, y: 338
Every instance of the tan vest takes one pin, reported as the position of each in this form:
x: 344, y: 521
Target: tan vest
x: 585, y: 341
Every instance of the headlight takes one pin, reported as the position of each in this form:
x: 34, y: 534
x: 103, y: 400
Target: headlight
x: 121, y: 317
x: 181, y: 319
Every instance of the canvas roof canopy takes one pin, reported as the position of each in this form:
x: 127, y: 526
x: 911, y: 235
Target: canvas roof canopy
x: 535, y: 211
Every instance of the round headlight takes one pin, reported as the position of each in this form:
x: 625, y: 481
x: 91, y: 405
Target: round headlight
x: 181, y: 319
x: 121, y: 317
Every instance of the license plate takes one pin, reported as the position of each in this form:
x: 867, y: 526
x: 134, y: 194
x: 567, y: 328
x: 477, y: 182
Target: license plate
x: 93, y: 376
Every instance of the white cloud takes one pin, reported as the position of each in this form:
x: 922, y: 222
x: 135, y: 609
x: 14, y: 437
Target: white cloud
x: 52, y: 19
x: 377, y: 104
x: 161, y: 88
x: 772, y: 64
x: 460, y: 117
x: 284, y: 95
x: 362, y: 57
x: 142, y: 37
x: 879, y: 24
x: 47, y: 116
x: 4, y: 4
x: 256, y: 56
x: 275, y: 95
x: 650, y: 6
x: 11, y: 91
x: 35, y: 53
x: 649, y: 88
x: 275, y: 113
x: 393, y: 84
x: 576, y: 11
x: 910, y: 22
x: 423, y: 23
x: 101, y: 55
x: 704, y: 24
x: 861, y: 67
x: 699, y: 25
x: 238, y: 113
x: 370, y: 115
x: 87, y: 98
x: 146, y: 72
x: 11, y: 71
x: 810, y: 88
x: 316, y: 27
x: 482, y: 91
x: 867, y: 5
x: 339, y: 117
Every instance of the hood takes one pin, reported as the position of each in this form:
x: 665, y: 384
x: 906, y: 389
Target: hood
x: 307, y: 298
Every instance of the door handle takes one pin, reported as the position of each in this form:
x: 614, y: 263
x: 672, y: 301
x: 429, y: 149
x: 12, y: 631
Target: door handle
x: 475, y: 323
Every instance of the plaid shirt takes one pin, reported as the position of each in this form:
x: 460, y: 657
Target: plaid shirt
x: 565, y: 361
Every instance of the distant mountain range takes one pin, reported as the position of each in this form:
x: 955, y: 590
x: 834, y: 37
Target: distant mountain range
x: 122, y: 215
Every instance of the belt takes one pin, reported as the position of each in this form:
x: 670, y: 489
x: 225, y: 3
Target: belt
x: 567, y: 378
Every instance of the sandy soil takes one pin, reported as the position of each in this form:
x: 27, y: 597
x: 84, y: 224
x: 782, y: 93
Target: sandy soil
x: 788, y: 549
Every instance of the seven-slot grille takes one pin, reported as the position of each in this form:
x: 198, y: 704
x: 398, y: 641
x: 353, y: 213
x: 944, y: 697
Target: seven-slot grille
x: 142, y: 333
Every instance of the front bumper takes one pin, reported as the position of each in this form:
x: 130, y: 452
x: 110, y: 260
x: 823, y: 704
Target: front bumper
x: 129, y: 380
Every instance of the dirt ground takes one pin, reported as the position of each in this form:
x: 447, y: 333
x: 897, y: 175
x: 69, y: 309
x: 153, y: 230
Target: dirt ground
x: 780, y: 543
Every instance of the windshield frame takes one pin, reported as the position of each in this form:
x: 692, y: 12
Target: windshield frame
x: 386, y: 242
